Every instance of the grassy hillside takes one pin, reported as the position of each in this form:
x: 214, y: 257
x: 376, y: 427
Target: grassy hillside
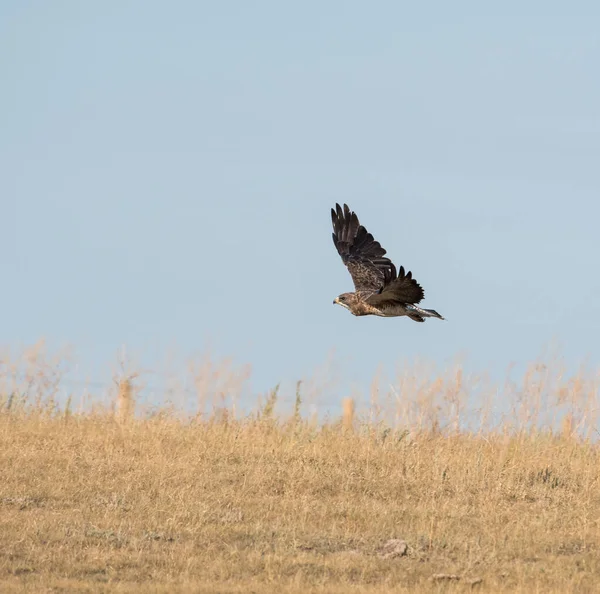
x: 112, y: 502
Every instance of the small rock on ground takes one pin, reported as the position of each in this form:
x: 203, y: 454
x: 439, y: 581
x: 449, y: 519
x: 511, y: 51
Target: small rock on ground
x: 395, y: 547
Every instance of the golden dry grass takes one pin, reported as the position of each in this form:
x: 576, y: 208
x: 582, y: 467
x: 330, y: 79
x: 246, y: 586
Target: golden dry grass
x: 108, y: 502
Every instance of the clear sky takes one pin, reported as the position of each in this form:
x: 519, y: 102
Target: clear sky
x: 167, y: 170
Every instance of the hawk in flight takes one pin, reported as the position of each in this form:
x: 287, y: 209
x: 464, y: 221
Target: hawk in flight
x: 379, y: 289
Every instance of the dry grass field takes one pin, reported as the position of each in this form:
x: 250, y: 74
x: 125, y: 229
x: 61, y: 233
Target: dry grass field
x: 110, y: 501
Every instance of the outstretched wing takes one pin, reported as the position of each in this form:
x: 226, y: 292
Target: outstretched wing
x: 363, y: 256
x: 399, y: 289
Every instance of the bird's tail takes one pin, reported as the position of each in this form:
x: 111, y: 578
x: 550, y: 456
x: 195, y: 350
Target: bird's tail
x: 426, y: 313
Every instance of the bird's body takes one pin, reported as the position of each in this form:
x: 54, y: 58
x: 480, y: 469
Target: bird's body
x: 379, y: 289
x: 359, y: 307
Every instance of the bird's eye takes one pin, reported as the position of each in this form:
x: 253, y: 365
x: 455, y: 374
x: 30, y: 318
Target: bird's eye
x: 342, y: 298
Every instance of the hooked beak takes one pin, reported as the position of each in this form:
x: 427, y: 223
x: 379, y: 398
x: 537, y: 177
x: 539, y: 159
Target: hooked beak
x: 336, y: 300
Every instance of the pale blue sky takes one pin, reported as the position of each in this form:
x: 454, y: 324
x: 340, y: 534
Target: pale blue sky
x: 168, y: 170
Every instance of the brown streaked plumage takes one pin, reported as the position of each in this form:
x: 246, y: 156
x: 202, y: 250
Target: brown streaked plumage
x: 379, y: 290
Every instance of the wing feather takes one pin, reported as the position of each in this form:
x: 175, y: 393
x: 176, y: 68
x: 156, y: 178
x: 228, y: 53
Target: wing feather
x: 363, y: 256
x: 399, y: 289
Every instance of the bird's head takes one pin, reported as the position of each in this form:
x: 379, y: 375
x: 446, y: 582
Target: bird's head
x: 346, y: 300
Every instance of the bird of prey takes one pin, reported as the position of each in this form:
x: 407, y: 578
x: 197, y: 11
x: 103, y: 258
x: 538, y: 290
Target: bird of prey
x: 379, y: 289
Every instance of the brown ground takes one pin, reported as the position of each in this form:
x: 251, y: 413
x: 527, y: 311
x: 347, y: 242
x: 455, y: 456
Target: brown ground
x: 92, y: 504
